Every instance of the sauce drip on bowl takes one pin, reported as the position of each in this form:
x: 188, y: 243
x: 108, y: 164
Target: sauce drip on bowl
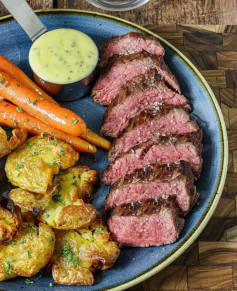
x: 63, y: 56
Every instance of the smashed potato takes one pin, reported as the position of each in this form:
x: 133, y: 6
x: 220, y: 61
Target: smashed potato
x: 33, y: 165
x: 29, y: 200
x: 4, y: 147
x: 10, y: 220
x: 80, y: 252
x: 19, y: 136
x: 63, y: 207
x: 81, y: 181
x: 30, y: 250
x: 61, y: 216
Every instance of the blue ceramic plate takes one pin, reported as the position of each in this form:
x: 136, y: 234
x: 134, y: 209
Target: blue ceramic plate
x: 134, y: 264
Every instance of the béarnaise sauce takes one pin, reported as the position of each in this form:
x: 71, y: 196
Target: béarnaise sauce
x: 63, y: 56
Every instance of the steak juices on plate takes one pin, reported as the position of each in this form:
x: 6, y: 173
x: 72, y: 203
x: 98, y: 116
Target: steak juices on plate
x: 156, y: 155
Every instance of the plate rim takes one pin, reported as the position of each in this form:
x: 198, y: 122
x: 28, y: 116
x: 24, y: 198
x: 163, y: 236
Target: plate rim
x: 222, y: 129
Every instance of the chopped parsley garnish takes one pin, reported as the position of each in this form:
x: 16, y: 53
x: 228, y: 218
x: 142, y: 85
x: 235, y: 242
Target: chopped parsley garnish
x: 19, y: 166
x: 8, y: 266
x: 98, y: 229
x: 57, y: 198
x: 51, y: 285
x: 5, y: 105
x: 34, y: 154
x: 19, y: 109
x: 28, y: 281
x: 74, y: 183
x: 2, y: 79
x: 75, y: 262
x: 75, y: 120
x: 28, y: 253
x: 55, y: 141
x: 26, y: 120
x: 89, y: 147
x: 67, y: 252
x: 69, y: 257
x: 62, y: 152
x: 43, y: 134
x: 5, y: 84
x: 35, y: 228
x: 14, y: 123
x: 34, y: 102
x: 56, y: 161
x: 50, y: 164
x: 28, y: 145
x: 18, y: 85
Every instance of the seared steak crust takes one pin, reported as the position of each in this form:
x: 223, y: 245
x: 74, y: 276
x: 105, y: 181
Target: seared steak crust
x: 120, y: 69
x: 147, y: 207
x: 155, y: 181
x: 164, y: 149
x: 157, y: 172
x: 163, y: 120
x: 140, y: 93
x: 132, y: 42
x: 146, y: 223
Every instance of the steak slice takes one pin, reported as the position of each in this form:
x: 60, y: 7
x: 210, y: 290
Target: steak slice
x: 162, y: 150
x: 123, y: 68
x: 152, y: 222
x: 142, y: 92
x: 164, y: 120
x: 155, y: 181
x: 132, y: 42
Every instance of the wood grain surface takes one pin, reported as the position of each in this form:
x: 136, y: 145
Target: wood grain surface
x: 206, y: 32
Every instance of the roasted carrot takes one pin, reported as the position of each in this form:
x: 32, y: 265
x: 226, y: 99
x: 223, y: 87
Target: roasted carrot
x: 55, y: 115
x: 13, y: 116
x: 95, y: 139
x: 15, y: 72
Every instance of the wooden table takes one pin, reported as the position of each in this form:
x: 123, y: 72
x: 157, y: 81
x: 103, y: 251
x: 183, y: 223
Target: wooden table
x: 199, y: 28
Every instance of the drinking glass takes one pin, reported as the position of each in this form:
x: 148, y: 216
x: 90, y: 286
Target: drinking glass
x: 117, y: 5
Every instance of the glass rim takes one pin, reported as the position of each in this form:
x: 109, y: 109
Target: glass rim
x: 117, y: 5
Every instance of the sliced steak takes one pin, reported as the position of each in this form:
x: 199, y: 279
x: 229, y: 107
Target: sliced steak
x: 142, y: 92
x: 124, y: 68
x: 155, y: 181
x: 162, y: 150
x: 164, y: 120
x: 132, y: 42
x: 152, y: 222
